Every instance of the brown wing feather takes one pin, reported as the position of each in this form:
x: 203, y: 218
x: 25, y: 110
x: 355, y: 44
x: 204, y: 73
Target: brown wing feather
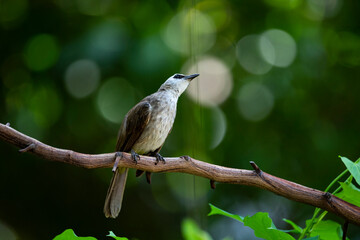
x: 133, y: 126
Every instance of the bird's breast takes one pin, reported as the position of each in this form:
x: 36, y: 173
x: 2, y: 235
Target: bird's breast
x: 159, y: 126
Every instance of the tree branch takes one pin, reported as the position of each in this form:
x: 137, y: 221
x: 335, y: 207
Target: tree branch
x: 256, y: 178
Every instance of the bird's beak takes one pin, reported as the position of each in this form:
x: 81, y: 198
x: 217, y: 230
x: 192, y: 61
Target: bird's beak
x: 191, y: 77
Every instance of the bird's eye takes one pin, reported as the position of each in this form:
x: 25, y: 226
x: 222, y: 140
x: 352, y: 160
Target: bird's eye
x: 178, y: 76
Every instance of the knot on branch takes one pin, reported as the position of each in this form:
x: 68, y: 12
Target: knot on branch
x: 328, y: 197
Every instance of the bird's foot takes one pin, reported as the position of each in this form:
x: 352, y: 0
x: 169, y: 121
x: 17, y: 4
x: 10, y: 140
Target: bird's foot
x: 159, y: 158
x: 135, y: 157
x: 186, y: 157
x: 118, y: 156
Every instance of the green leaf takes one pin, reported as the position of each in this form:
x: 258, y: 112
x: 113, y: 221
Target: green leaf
x: 297, y: 228
x: 327, y: 230
x: 349, y: 193
x: 217, y: 211
x: 354, y: 168
x: 111, y: 234
x: 191, y: 231
x: 261, y: 223
x: 264, y: 227
x: 312, y: 238
x: 70, y: 235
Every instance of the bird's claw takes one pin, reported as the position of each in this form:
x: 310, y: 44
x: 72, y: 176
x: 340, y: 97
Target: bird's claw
x: 185, y: 157
x: 159, y: 158
x: 135, y: 157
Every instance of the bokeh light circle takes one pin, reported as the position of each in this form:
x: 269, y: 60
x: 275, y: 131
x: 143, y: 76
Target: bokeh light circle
x: 255, y: 101
x: 45, y: 105
x: 115, y: 98
x: 82, y: 78
x: 282, y: 51
x: 177, y: 34
x: 107, y: 40
x: 183, y: 186
x: 7, y: 232
x: 250, y: 57
x: 320, y: 9
x: 42, y: 52
x: 218, y: 127
x: 92, y: 7
x: 218, y: 11
x: 35, y: 108
x: 284, y: 4
x: 215, y: 83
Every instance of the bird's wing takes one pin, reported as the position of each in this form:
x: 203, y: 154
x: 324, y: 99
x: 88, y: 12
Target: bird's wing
x: 133, y: 126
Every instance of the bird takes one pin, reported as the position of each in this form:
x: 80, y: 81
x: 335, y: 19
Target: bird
x: 143, y: 132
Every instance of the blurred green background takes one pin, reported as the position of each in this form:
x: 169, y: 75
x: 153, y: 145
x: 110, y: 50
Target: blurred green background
x: 279, y: 86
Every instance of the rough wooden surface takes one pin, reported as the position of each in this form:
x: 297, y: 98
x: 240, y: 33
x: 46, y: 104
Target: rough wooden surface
x: 256, y: 177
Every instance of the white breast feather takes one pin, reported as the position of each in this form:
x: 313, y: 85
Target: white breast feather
x: 163, y: 117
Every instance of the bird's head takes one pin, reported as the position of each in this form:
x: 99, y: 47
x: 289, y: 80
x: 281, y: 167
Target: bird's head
x: 178, y: 82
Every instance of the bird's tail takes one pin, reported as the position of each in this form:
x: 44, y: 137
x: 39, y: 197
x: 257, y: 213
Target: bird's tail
x: 115, y: 193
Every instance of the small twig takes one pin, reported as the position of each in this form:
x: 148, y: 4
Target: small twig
x: 256, y: 168
x: 345, y: 228
x: 285, y: 188
x: 118, y: 156
x: 28, y: 148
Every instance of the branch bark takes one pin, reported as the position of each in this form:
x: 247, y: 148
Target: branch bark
x: 256, y: 177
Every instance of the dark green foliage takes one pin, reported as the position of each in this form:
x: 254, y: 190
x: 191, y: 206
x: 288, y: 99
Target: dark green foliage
x: 316, y: 227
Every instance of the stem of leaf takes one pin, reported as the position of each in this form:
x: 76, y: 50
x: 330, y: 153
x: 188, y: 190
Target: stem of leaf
x: 312, y: 223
